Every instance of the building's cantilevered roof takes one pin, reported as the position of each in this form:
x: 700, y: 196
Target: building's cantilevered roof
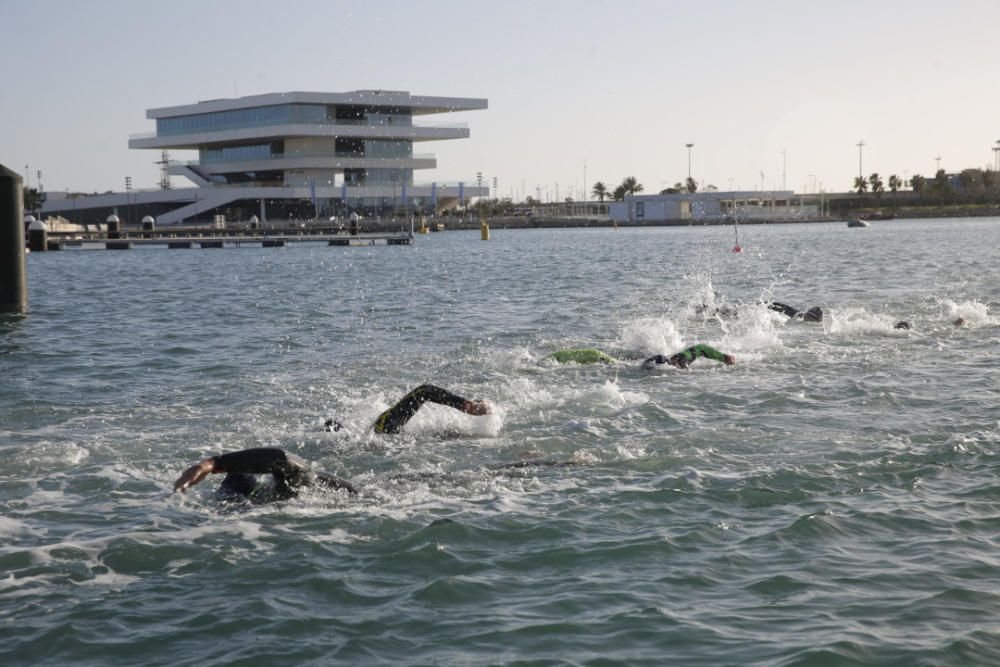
x: 419, y: 104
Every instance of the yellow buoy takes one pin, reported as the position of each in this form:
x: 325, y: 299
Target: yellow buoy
x: 484, y: 229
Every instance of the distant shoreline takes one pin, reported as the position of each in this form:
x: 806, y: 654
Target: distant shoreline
x: 551, y: 222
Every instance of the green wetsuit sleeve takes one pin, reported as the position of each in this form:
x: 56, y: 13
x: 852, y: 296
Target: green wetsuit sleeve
x: 393, y: 419
x: 707, y: 351
x: 586, y: 355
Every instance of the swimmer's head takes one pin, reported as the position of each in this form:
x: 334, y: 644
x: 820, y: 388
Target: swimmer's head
x: 959, y: 321
x: 332, y: 425
x: 658, y: 360
x: 814, y: 314
x: 902, y: 324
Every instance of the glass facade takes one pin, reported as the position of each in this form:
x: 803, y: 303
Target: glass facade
x: 389, y: 149
x: 281, y: 114
x: 240, y: 153
x: 388, y: 176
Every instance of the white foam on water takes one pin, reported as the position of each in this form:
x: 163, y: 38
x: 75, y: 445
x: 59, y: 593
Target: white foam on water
x: 852, y: 321
x: 975, y: 313
x: 647, y: 336
x: 10, y: 528
x: 48, y: 454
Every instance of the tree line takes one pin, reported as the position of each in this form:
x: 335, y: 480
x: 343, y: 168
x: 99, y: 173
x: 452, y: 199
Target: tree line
x: 971, y: 185
x: 631, y: 186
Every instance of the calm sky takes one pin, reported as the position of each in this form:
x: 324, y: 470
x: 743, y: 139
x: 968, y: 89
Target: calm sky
x: 606, y: 89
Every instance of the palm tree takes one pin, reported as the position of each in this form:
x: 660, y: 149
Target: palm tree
x: 690, y: 185
x: 631, y: 185
x: 894, y: 184
x: 877, y: 187
x: 861, y: 184
x: 618, y: 194
x: 941, y: 183
x: 32, y: 199
x: 600, y: 191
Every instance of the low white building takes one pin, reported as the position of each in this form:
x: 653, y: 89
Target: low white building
x: 713, y: 206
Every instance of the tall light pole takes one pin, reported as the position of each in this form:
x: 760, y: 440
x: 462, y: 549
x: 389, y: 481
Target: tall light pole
x: 996, y: 156
x: 584, y: 198
x: 689, y: 147
x: 128, y: 196
x: 937, y: 161
x: 782, y: 168
x: 861, y: 171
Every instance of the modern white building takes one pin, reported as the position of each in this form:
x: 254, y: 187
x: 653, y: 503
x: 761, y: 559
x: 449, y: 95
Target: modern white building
x: 713, y: 206
x: 299, y: 155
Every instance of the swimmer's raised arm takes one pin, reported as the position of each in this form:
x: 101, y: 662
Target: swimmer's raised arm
x: 285, y: 467
x: 194, y: 474
x: 685, y: 357
x: 393, y: 419
x: 476, y: 407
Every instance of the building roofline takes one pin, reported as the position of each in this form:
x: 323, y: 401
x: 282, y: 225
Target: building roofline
x: 420, y: 104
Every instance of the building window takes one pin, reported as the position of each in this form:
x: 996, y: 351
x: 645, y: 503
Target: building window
x: 640, y: 209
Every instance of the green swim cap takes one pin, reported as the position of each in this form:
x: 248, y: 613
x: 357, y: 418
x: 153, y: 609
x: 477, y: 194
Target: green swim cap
x: 587, y: 355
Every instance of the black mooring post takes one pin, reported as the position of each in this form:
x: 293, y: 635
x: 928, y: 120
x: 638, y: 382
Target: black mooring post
x: 13, y: 281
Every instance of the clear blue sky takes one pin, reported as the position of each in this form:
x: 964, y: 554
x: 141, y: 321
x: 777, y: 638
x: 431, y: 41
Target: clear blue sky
x: 622, y: 86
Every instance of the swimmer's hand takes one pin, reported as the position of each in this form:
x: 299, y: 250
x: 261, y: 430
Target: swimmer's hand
x: 194, y: 474
x: 477, y: 407
x: 729, y: 359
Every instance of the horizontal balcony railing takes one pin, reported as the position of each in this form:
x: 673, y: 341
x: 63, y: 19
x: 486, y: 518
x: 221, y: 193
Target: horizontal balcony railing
x: 305, y: 154
x: 346, y: 122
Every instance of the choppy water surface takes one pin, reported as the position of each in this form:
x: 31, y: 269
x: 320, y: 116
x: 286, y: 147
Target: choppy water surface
x: 832, y: 498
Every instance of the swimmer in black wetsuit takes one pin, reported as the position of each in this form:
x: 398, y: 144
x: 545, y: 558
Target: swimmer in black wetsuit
x: 287, y: 473
x: 393, y: 419
x: 686, y: 357
x: 814, y: 314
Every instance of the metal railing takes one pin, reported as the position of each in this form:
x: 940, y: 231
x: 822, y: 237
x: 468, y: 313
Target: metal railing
x: 335, y: 122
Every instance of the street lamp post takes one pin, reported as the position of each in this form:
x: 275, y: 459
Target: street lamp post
x: 393, y: 176
x: 479, y: 183
x: 689, y: 147
x: 861, y: 171
x: 128, y: 191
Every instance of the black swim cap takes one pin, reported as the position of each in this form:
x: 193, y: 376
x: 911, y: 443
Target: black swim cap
x: 332, y: 425
x: 814, y: 314
x: 902, y: 324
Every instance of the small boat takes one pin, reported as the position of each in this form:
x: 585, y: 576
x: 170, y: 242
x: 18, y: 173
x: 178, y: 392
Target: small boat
x: 858, y: 222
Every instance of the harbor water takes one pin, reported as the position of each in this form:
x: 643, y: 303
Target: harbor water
x: 832, y: 498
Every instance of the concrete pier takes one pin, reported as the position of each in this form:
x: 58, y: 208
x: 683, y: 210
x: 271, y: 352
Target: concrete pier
x: 117, y: 238
x: 13, y: 279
